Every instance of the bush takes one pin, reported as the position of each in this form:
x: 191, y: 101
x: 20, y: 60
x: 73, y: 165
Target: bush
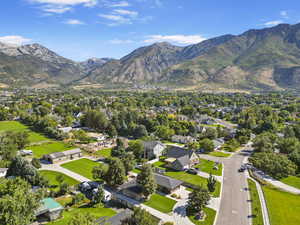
x: 36, y: 163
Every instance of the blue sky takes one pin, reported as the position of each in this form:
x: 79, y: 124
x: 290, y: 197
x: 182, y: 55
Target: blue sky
x: 80, y: 29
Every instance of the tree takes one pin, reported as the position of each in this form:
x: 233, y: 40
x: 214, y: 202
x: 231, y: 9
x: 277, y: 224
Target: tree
x: 77, y: 199
x: 140, y: 217
x: 116, y: 173
x: 147, y: 180
x: 198, y: 199
x: 63, y: 188
x: 36, y: 163
x: 193, y: 145
x: 210, y: 133
x: 276, y: 165
x: 17, y: 202
x: 264, y: 143
x: 164, y: 132
x: 140, y: 131
x: 99, y: 172
x: 211, y: 183
x: 82, y: 219
x: 288, y: 145
x: 112, y: 131
x: 128, y: 160
x: 207, y: 145
x: 98, y: 197
x: 60, y: 178
x: 137, y: 147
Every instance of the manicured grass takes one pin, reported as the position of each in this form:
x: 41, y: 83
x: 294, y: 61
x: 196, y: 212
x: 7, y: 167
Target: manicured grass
x: 194, y: 180
x: 96, y: 212
x: 209, y: 219
x: 64, y: 200
x: 51, y: 177
x: 105, y: 153
x: 84, y: 167
x: 136, y: 171
x: 292, y: 181
x: 172, y: 143
x: 17, y: 126
x: 283, y: 207
x: 159, y: 164
x: 257, y: 217
x: 219, y: 154
x: 207, y: 166
x: 161, y: 203
x: 48, y: 148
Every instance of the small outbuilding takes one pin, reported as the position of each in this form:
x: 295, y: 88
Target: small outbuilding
x: 49, y: 208
x: 61, y: 156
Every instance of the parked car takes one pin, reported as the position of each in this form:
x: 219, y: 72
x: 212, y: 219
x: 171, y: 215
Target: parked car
x: 192, y: 171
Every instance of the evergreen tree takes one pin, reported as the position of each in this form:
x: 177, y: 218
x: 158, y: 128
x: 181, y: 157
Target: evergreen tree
x: 147, y: 180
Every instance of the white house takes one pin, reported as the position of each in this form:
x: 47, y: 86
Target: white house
x: 153, y: 149
x: 3, y: 172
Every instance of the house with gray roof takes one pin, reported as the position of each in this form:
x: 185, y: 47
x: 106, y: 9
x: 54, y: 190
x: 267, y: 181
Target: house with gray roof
x: 61, y: 156
x: 115, y: 220
x: 167, y: 184
x: 153, y: 149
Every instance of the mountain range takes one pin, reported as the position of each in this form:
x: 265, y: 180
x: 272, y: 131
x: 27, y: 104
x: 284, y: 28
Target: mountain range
x: 261, y: 59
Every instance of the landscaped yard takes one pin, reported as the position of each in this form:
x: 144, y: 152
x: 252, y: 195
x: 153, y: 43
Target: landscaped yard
x: 208, y: 167
x: 51, y: 177
x: 194, y: 180
x: 219, y: 154
x: 283, y: 207
x: 159, y: 164
x: 48, y: 148
x: 96, y: 212
x: 161, y: 203
x: 17, y: 126
x: 257, y: 217
x: 105, y: 153
x: 84, y: 167
x: 209, y: 220
x: 292, y: 181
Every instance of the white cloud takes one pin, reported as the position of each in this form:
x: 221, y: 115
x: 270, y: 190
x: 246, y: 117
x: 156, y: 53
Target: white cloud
x: 74, y: 22
x: 126, y: 12
x: 115, y: 20
x: 118, y: 41
x: 119, y: 4
x: 87, y: 3
x: 178, y: 39
x: 284, y: 14
x: 272, y: 23
x: 56, y: 9
x: 14, y: 40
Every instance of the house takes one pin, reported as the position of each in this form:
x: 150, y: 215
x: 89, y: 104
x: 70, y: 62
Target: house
x: 66, y: 155
x: 153, y: 149
x: 50, y: 209
x: 117, y: 219
x: 65, y: 129
x: 218, y: 143
x: 25, y: 152
x: 180, y: 158
x: 167, y: 184
x: 3, y: 172
x: 91, y: 188
x: 182, y: 139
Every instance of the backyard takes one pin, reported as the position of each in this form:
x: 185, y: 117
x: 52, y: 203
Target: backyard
x: 96, y: 212
x: 161, y: 203
x: 48, y: 148
x: 105, y: 153
x: 84, y: 167
x: 17, y: 126
x: 207, y: 166
x: 283, y: 207
x: 195, y: 180
x: 51, y: 177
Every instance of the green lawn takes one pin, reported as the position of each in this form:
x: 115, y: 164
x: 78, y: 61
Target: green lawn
x: 161, y: 203
x: 64, y: 200
x: 283, y: 207
x: 257, y: 217
x: 47, y: 148
x: 96, y: 212
x: 51, y: 177
x: 209, y: 220
x: 292, y: 181
x: 84, y: 167
x: 105, y: 153
x: 207, y: 166
x: 194, y: 180
x: 159, y: 164
x: 219, y: 154
x: 17, y: 126
x: 136, y: 171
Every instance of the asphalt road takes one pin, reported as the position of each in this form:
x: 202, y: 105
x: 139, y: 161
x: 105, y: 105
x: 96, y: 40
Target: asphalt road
x: 234, y: 209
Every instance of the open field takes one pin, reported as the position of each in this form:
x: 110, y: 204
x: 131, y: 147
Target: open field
x: 51, y: 177
x: 17, y: 126
x: 96, y: 212
x: 84, y: 167
x: 257, y: 217
x: 208, y: 167
x: 283, y: 207
x: 292, y: 181
x: 48, y: 148
x: 194, y: 180
x: 209, y: 220
x: 161, y: 203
